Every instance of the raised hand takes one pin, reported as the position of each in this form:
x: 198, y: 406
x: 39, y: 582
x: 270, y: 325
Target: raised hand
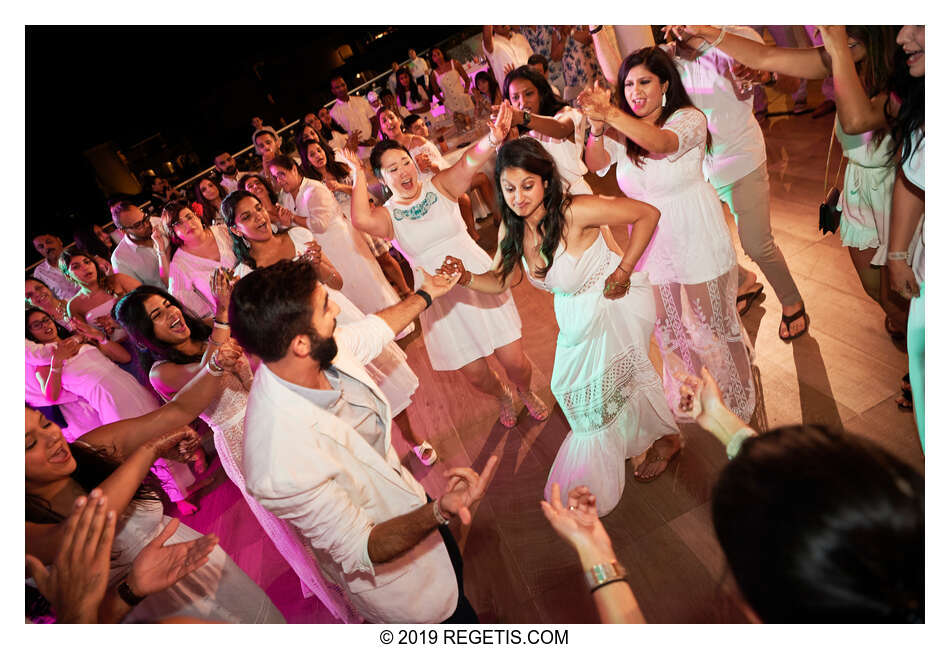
x: 222, y: 283
x: 229, y: 355
x: 686, y: 32
x: 159, y: 566
x: 595, y: 103
x: 424, y: 163
x: 352, y: 141
x: 159, y: 241
x: 65, y: 349
x: 834, y: 37
x: 352, y: 159
x: 578, y: 523
x: 107, y: 324
x: 465, y: 488
x: 439, y: 284
x: 501, y: 122
x: 314, y: 253
x: 285, y: 218
x: 76, y: 582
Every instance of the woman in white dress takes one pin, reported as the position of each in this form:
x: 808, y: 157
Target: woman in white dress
x: 390, y: 369
x: 181, y: 347
x: 554, y: 123
x: 91, y: 374
x: 196, y: 251
x: 450, y: 77
x: 316, y: 209
x: 320, y: 164
x: 602, y: 378
x: 280, y: 217
x: 462, y: 328
x: 658, y: 143
x: 97, y: 292
x: 40, y: 295
x: 411, y: 95
x: 208, y: 194
x: 429, y: 159
x: 114, y: 460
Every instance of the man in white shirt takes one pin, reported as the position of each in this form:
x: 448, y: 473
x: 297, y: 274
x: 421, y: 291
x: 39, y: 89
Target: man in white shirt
x: 418, y: 68
x: 504, y: 50
x: 136, y: 254
x: 355, y: 115
x: 318, y: 452
x: 51, y: 247
x: 230, y: 176
x: 391, y: 80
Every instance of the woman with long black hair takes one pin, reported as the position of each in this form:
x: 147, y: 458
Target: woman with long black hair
x: 658, y: 141
x: 602, y: 377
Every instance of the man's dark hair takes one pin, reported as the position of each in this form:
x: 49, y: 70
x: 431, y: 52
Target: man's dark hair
x: 272, y: 306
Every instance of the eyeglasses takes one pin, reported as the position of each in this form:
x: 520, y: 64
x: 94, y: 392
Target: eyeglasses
x: 135, y: 226
x: 853, y: 45
x: 36, y: 325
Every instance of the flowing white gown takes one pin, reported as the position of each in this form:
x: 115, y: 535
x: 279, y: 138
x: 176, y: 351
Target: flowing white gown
x: 602, y: 378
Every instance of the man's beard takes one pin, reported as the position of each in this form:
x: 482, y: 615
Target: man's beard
x: 230, y: 171
x: 322, y: 350
x: 135, y: 237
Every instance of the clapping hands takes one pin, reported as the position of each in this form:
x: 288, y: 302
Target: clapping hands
x: 159, y: 566
x: 595, y: 103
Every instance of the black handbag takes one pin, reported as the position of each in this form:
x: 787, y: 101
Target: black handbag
x: 829, y: 216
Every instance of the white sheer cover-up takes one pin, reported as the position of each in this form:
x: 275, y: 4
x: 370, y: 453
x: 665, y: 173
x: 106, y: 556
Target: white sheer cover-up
x: 691, y: 264
x: 602, y: 378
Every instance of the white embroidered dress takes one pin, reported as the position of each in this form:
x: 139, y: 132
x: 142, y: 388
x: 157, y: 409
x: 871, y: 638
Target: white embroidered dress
x: 602, y: 378
x: 691, y: 264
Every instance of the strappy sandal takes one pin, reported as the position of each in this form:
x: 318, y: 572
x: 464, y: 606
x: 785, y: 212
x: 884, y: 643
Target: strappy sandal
x: 420, y: 452
x: 654, y: 455
x: 507, y: 414
x: 536, y: 408
x: 789, y: 319
x: 749, y: 298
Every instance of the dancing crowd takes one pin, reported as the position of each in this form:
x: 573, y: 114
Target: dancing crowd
x: 258, y: 322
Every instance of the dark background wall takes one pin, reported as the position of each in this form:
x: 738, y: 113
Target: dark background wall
x: 155, y: 93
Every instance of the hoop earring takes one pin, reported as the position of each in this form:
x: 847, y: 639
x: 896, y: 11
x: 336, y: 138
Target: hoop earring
x: 663, y: 101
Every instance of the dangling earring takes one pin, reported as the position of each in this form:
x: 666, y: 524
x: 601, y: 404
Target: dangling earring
x: 663, y: 101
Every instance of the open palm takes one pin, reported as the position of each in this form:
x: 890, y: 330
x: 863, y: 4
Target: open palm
x: 159, y: 566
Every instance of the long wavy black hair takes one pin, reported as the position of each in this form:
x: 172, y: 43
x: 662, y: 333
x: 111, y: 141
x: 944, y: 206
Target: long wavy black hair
x: 550, y: 103
x: 659, y: 63
x: 130, y: 312
x: 412, y: 90
x: 910, y: 117
x: 336, y: 169
x: 528, y: 154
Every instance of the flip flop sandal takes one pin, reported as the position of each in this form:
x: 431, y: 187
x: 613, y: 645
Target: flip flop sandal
x: 749, y: 298
x: 654, y: 456
x: 789, y: 319
x: 536, y: 408
x: 420, y: 452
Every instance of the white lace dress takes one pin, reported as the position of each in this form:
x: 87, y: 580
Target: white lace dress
x: 602, y: 378
x: 462, y: 325
x: 691, y: 264
x: 218, y: 591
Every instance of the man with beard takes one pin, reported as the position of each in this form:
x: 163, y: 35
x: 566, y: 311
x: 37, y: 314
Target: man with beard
x: 355, y: 115
x: 317, y: 448
x: 51, y: 247
x: 230, y: 175
x: 139, y: 253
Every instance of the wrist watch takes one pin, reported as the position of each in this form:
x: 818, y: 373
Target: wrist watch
x: 129, y: 597
x: 526, y: 118
x: 603, y: 574
x: 437, y: 512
